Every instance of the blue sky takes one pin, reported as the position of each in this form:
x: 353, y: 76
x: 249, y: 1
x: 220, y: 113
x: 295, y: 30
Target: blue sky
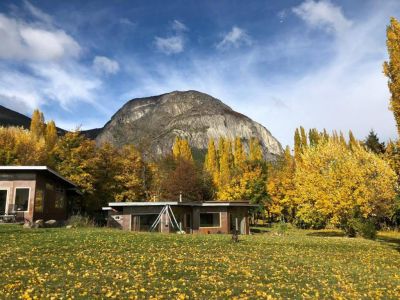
x: 282, y: 63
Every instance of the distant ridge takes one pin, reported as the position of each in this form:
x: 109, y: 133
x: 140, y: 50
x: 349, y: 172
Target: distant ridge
x: 9, y: 117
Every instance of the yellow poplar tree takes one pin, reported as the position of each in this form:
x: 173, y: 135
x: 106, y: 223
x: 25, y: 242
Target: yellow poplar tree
x: 297, y: 145
x: 391, y: 68
x: 303, y: 136
x: 210, y: 163
x: 239, y: 155
x: 280, y: 186
x: 256, y: 153
x: 353, y: 143
x: 37, y: 124
x: 181, y: 149
x: 51, y: 135
x: 225, y: 162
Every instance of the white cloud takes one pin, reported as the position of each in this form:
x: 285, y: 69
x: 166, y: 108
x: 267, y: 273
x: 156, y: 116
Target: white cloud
x: 235, y: 38
x: 23, y: 41
x: 126, y: 21
x: 170, y: 45
x: 39, y: 64
x: 322, y: 14
x: 179, y: 26
x: 102, y: 64
x: 175, y: 43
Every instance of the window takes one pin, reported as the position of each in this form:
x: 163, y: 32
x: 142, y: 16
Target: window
x: 60, y: 199
x: 39, y: 201
x: 49, y: 187
x: 21, y: 199
x: 210, y: 220
x: 146, y: 221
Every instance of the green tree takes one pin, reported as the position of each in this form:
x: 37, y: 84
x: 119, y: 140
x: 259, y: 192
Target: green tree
x: 373, y: 144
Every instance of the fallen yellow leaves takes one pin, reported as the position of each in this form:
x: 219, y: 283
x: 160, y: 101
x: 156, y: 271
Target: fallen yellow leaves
x: 104, y: 263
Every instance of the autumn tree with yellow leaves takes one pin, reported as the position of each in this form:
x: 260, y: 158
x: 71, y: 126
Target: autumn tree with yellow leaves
x: 334, y: 185
x: 19, y: 147
x: 38, y: 125
x: 391, y: 68
x: 181, y: 149
x: 280, y: 187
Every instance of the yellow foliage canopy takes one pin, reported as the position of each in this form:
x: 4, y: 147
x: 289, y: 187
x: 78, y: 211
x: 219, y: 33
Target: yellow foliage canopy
x: 333, y: 183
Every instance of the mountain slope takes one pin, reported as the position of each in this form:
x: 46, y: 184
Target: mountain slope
x: 9, y: 117
x: 152, y: 124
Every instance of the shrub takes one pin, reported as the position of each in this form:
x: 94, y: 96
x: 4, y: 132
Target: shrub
x: 361, y: 227
x: 281, y: 228
x: 367, y: 230
x: 80, y: 221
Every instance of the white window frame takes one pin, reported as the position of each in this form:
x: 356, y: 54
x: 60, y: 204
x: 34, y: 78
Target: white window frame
x: 29, y: 198
x: 7, y: 198
x: 211, y: 212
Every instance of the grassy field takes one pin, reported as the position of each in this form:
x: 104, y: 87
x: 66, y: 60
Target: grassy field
x: 101, y: 263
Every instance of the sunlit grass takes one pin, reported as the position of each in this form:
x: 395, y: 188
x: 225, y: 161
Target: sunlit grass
x: 100, y: 263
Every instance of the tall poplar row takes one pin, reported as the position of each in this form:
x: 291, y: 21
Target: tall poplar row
x: 391, y: 68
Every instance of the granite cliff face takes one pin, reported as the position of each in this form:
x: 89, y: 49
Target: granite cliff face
x: 152, y: 124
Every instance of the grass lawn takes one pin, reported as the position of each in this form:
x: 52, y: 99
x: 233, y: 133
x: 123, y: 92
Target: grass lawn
x: 101, y: 263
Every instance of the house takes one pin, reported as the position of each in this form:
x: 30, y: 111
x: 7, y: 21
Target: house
x: 29, y: 193
x: 191, y: 217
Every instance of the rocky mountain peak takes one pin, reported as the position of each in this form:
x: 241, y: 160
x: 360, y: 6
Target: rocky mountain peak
x: 152, y: 123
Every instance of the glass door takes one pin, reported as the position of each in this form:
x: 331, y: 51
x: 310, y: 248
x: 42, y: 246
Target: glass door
x: 3, y: 201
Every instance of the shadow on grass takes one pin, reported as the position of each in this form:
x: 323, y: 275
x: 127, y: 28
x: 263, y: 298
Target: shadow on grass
x: 327, y: 234
x: 259, y: 230
x: 391, y: 241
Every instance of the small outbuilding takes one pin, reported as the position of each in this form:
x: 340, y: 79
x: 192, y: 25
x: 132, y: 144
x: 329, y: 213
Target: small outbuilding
x: 190, y: 217
x: 29, y: 193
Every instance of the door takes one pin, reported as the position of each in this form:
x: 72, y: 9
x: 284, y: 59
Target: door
x: 3, y: 201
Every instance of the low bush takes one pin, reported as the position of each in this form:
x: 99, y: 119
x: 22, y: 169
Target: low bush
x: 80, y: 221
x: 361, y: 227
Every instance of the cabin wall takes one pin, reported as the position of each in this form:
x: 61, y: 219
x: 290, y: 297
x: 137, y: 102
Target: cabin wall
x: 51, y: 199
x: 10, y: 182
x: 47, y: 198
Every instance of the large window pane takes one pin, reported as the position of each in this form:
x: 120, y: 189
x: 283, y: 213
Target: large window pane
x: 210, y: 220
x: 21, y: 199
x: 3, y: 201
x: 146, y: 221
x: 60, y: 199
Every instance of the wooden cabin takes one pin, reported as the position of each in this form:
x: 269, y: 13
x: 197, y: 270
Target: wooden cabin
x: 29, y: 193
x: 190, y: 217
